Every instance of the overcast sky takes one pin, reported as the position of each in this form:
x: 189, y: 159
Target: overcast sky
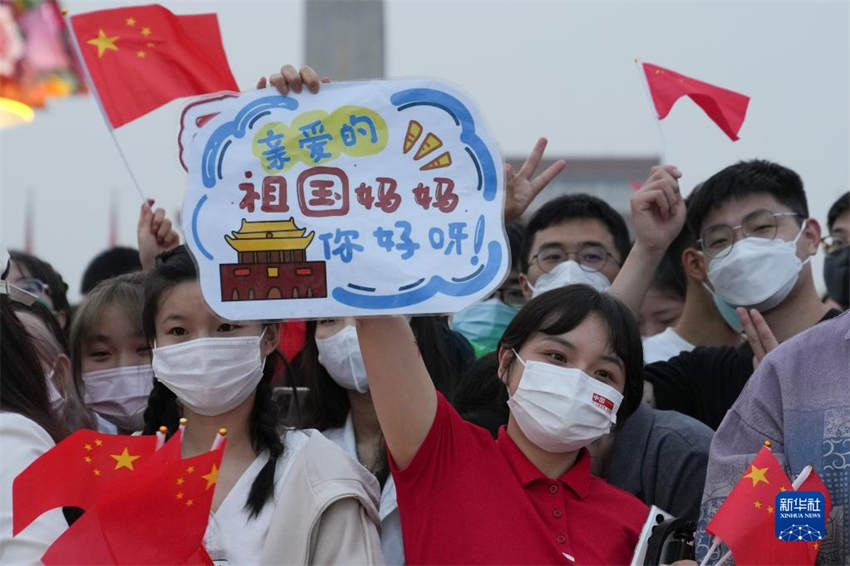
x: 561, y: 69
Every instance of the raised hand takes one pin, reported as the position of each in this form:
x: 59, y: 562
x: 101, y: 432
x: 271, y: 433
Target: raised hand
x: 758, y: 334
x: 154, y: 234
x: 520, y: 188
x: 658, y: 209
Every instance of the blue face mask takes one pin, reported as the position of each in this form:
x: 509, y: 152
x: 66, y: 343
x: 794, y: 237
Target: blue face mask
x: 484, y: 323
x: 727, y: 311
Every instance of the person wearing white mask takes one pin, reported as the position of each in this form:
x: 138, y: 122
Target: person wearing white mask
x: 573, y: 239
x: 290, y: 499
x: 755, y: 238
x: 111, y: 360
x: 570, y: 361
x: 340, y: 404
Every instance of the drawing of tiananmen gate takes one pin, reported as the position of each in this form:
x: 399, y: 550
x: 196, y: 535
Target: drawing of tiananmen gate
x: 272, y: 264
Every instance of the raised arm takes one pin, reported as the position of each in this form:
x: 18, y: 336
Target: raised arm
x: 403, y: 394
x: 658, y: 214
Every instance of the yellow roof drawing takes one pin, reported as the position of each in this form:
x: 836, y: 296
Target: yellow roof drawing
x: 276, y: 235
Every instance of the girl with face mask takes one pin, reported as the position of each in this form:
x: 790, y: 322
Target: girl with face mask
x: 52, y: 349
x: 571, y: 361
x: 28, y: 429
x: 111, y: 363
x: 341, y: 407
x: 295, y: 498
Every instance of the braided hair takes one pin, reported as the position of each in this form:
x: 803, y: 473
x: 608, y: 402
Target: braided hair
x: 176, y: 267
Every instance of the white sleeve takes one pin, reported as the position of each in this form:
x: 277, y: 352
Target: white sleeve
x: 21, y: 442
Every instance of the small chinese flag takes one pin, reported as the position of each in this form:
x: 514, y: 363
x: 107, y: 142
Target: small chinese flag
x: 725, y: 107
x: 746, y: 520
x: 74, y: 472
x: 142, y: 57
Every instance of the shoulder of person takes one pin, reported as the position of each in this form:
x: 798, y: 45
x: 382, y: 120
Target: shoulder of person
x: 675, y: 426
x: 327, y: 471
x: 17, y: 429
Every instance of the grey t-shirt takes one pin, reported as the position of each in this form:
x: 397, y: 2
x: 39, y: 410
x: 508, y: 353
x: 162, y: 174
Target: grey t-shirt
x: 661, y: 457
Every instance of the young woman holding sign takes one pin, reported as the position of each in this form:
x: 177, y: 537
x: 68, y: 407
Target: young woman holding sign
x: 291, y: 499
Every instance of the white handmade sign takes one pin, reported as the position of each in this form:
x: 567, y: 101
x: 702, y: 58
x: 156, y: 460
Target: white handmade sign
x: 368, y: 198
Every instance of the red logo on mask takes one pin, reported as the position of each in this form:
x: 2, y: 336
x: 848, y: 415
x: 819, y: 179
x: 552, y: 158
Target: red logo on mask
x: 603, y: 402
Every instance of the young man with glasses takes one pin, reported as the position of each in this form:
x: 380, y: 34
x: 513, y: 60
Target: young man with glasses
x: 573, y: 239
x: 755, y: 238
x: 836, y: 267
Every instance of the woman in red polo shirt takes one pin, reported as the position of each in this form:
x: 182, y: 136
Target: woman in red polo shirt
x: 571, y: 360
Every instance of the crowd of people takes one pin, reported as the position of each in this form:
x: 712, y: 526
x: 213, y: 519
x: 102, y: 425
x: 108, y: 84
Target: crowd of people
x: 609, y: 373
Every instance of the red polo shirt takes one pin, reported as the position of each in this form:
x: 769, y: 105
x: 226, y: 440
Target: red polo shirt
x: 467, y: 499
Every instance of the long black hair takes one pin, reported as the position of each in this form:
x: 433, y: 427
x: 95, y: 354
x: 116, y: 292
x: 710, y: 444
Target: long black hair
x: 446, y: 355
x: 57, y: 289
x: 561, y: 310
x: 176, y: 267
x: 24, y: 385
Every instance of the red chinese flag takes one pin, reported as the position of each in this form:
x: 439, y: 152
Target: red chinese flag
x: 162, y: 516
x: 74, y: 472
x: 746, y: 520
x: 725, y: 107
x: 142, y: 57
x: 814, y: 483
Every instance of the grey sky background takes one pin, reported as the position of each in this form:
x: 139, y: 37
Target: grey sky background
x: 564, y: 70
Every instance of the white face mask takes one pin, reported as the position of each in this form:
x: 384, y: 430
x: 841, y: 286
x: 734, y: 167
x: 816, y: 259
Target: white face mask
x: 757, y: 273
x: 211, y: 375
x: 340, y: 355
x: 569, y: 273
x: 120, y: 395
x: 562, y: 409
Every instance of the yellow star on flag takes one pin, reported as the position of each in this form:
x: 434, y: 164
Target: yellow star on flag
x: 769, y: 509
x: 87, y: 446
x: 179, y: 481
x: 96, y: 472
x: 189, y: 503
x: 211, y: 477
x: 190, y: 469
x: 140, y: 54
x: 102, y: 42
x: 757, y: 475
x: 757, y: 504
x: 150, y: 44
x: 782, y: 489
x: 146, y: 31
x: 124, y: 460
x: 130, y: 22
x: 99, y: 442
x: 179, y: 495
x: 87, y: 459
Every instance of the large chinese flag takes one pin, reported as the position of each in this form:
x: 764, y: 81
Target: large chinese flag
x: 746, y: 520
x: 725, y: 107
x: 142, y: 57
x: 74, y: 472
x: 159, y: 517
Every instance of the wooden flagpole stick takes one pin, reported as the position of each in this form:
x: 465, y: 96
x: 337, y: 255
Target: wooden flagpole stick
x: 801, y: 477
x: 724, y: 558
x: 160, y: 436
x: 715, y: 542
x: 653, y: 111
x: 219, y: 439
x: 89, y: 81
